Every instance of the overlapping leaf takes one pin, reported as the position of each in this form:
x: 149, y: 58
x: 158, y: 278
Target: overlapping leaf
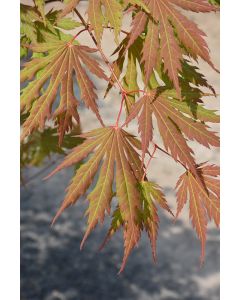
x: 172, y: 124
x: 136, y: 198
x: 158, y: 45
x: 112, y: 15
x: 151, y: 196
x: 109, y: 12
x: 69, y: 6
x: 201, y: 202
x: 177, y: 34
x: 63, y: 60
x: 150, y: 49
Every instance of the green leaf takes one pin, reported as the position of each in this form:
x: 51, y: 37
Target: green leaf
x: 139, y: 3
x: 40, y: 4
x: 67, y: 23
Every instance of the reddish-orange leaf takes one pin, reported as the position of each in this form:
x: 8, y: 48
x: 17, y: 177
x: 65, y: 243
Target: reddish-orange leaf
x: 150, y: 49
x: 192, y: 129
x: 170, y: 51
x: 201, y: 201
x: 115, y: 154
x: 195, y: 5
x: 63, y: 60
x: 138, y: 26
x: 151, y: 197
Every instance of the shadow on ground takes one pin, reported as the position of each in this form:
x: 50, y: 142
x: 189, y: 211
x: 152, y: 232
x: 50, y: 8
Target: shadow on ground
x: 53, y: 267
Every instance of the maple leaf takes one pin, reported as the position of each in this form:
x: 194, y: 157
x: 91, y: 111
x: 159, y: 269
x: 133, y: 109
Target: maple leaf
x: 112, y: 15
x: 40, y: 5
x: 172, y: 125
x: 202, y: 202
x: 67, y: 23
x: 42, y: 145
x: 150, y: 49
x: 69, y: 6
x: 129, y: 80
x: 28, y: 15
x: 39, y: 27
x: 138, y: 26
x: 152, y: 195
x: 138, y: 3
x: 62, y: 61
x: 117, y: 144
x: 177, y: 33
x: 113, y: 147
x: 188, y: 32
x: 104, y: 12
x: 96, y: 17
x: 195, y: 5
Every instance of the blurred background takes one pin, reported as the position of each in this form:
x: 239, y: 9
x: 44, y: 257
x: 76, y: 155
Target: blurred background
x: 52, y: 265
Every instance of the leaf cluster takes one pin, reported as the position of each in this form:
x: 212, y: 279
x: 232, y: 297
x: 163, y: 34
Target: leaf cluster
x: 155, y: 70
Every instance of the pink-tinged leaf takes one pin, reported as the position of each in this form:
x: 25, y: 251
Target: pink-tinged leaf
x: 170, y: 51
x: 195, y: 5
x: 189, y: 34
x: 145, y: 127
x: 138, y: 26
x: 193, y: 130
x: 201, y: 201
x: 150, y: 49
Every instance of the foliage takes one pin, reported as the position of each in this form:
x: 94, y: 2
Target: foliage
x: 163, y: 48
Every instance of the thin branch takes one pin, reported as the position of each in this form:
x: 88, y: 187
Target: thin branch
x: 120, y: 110
x: 151, y: 157
x: 164, y: 151
x: 76, y: 35
x: 99, y: 48
x: 123, y: 92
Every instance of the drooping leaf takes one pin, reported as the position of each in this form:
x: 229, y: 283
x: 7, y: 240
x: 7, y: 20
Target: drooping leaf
x: 188, y: 32
x: 138, y: 26
x: 129, y: 80
x: 96, y: 18
x: 113, y: 15
x: 195, y: 110
x: 113, y: 148
x: 69, y: 6
x: 151, y: 196
x: 202, y: 202
x: 40, y: 4
x: 195, y: 5
x: 139, y: 3
x: 177, y: 33
x: 62, y: 61
x: 67, y: 23
x: 150, y: 49
x: 192, y: 129
x: 172, y: 125
x: 170, y: 51
x: 43, y: 144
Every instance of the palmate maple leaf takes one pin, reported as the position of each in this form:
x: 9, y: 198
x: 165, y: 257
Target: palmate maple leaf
x: 69, y: 6
x: 105, y: 11
x: 190, y: 79
x: 56, y: 69
x: 172, y: 33
x: 172, y: 124
x: 137, y: 198
x: 201, y: 203
x: 109, y: 12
